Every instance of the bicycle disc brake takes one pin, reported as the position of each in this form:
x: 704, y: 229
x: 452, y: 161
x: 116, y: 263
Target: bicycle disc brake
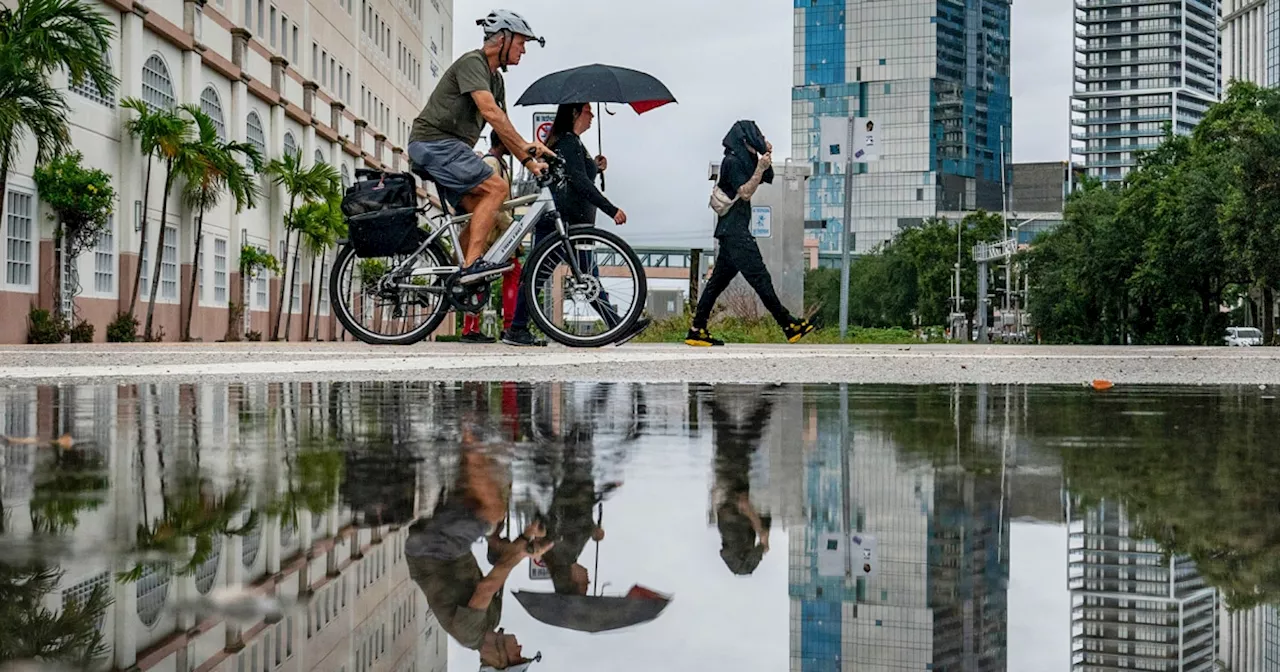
x: 467, y: 298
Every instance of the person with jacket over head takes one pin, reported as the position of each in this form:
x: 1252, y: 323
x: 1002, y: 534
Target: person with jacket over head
x: 748, y: 162
x: 577, y: 202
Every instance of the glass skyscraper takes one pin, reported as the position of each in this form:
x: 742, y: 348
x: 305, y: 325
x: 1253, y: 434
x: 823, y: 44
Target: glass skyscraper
x: 936, y: 75
x: 1142, y: 65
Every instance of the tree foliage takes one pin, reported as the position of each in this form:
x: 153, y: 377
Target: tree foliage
x: 1195, y: 227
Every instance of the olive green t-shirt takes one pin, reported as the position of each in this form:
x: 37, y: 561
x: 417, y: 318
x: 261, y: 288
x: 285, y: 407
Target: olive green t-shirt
x: 450, y: 112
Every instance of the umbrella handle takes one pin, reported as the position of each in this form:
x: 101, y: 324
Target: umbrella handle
x: 600, y: 138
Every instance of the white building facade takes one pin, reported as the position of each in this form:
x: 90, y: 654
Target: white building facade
x: 338, y: 81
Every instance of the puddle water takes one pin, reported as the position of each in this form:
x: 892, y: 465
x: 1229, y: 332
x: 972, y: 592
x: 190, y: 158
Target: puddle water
x: 377, y: 526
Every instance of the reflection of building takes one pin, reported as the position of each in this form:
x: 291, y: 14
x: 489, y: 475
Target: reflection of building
x: 1139, y: 66
x: 939, y: 597
x: 1131, y: 606
x: 356, y: 610
x: 936, y: 74
x: 1249, y: 640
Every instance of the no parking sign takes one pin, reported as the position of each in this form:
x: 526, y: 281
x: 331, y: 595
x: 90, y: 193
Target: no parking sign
x: 542, y: 125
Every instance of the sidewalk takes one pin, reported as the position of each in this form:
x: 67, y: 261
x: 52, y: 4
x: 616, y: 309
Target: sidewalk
x: 916, y: 364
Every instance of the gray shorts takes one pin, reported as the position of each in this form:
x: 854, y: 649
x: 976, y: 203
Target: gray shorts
x: 453, y: 166
x: 448, y: 534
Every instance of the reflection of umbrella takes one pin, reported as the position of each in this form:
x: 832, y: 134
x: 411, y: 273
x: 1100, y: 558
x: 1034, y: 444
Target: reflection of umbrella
x: 599, y: 83
x: 592, y: 613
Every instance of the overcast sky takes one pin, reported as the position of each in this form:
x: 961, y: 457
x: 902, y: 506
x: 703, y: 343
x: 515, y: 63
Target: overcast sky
x: 726, y: 60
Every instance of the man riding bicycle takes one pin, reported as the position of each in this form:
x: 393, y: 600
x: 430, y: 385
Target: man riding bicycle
x: 470, y: 94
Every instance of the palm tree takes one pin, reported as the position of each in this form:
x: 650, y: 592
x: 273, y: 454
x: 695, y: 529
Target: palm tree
x: 33, y: 632
x: 214, y: 167
x: 304, y: 185
x: 321, y: 224
x: 37, y: 38
x: 160, y: 133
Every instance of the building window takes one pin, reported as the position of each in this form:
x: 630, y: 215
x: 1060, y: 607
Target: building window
x: 272, y: 26
x: 104, y: 260
x: 293, y: 42
x: 260, y: 293
x: 157, y: 87
x: 324, y: 286
x: 346, y: 178
x: 211, y: 105
x: 290, y: 145
x: 144, y: 283
x: 319, y: 157
x: 169, y: 264
x: 219, y: 271
x: 88, y: 89
x: 254, y: 134
x: 151, y: 593
x: 295, y: 299
x: 19, y: 238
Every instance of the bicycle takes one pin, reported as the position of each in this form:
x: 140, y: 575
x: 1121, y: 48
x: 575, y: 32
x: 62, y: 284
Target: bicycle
x: 402, y: 282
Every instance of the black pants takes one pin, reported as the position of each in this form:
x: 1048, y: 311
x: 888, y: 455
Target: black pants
x: 602, y: 304
x: 739, y: 253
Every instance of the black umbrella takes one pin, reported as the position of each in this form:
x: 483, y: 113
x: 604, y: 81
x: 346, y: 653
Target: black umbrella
x: 598, y: 83
x: 587, y: 613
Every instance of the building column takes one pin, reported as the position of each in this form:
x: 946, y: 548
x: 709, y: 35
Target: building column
x: 129, y: 175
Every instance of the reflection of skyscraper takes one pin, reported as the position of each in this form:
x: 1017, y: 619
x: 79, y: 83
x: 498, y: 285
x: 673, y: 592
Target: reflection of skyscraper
x: 1249, y: 640
x: 1132, y: 607
x: 938, y: 599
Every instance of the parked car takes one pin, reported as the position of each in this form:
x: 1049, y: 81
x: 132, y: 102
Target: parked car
x: 1243, y: 336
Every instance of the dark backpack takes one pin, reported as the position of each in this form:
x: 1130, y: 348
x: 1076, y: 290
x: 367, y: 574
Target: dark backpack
x: 382, y: 191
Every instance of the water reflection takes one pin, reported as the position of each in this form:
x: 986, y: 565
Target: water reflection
x: 394, y: 526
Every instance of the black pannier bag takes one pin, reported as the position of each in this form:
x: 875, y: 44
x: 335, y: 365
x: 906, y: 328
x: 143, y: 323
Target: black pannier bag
x: 383, y: 191
x: 385, y: 233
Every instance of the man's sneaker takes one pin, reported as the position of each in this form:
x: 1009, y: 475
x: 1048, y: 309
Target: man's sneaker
x: 798, y: 330
x: 640, y: 325
x: 521, y: 338
x: 482, y: 270
x: 477, y: 337
x: 701, y: 338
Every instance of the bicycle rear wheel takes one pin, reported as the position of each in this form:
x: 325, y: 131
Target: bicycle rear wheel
x: 596, y: 304
x: 382, y: 310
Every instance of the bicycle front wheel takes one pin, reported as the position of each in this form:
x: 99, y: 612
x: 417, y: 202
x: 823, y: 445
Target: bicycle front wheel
x: 585, y: 290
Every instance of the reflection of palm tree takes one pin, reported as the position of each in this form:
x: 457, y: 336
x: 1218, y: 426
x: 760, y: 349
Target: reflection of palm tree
x: 194, y: 514
x: 314, y: 474
x: 75, y: 482
x: 33, y: 632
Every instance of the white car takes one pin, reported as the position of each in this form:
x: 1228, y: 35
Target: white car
x: 1243, y: 336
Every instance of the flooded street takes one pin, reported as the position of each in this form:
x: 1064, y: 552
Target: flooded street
x: 436, y: 527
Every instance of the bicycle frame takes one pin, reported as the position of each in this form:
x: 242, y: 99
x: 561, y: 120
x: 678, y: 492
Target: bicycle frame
x: 542, y: 206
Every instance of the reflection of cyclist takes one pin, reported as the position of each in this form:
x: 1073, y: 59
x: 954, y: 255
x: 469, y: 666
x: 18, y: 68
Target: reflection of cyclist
x: 470, y: 93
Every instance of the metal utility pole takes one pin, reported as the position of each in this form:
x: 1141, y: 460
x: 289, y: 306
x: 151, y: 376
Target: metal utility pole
x: 846, y: 235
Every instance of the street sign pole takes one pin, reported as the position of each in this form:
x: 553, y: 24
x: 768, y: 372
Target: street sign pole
x: 846, y: 235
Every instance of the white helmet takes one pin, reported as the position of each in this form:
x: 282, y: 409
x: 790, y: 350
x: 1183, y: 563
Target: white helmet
x: 504, y: 19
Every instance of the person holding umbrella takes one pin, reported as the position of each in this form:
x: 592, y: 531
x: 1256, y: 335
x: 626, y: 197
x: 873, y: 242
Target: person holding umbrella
x: 577, y: 201
x: 748, y: 162
x: 470, y: 94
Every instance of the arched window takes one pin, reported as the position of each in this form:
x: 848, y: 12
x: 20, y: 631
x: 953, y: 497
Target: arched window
x: 320, y: 157
x: 88, y: 89
x: 290, y: 145
x: 157, y: 86
x: 152, y: 592
x: 254, y: 133
x: 346, y: 177
x: 211, y: 105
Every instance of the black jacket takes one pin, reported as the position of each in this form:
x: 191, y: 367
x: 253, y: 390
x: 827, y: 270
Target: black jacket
x: 578, y: 200
x: 736, y: 169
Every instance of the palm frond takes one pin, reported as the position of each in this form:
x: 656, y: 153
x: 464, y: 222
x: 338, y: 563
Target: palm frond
x: 28, y: 104
x: 45, y: 35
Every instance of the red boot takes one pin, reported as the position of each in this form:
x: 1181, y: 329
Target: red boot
x: 510, y: 293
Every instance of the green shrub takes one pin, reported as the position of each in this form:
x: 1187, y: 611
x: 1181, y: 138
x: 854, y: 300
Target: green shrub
x: 123, y: 329
x: 44, y: 327
x: 82, y: 333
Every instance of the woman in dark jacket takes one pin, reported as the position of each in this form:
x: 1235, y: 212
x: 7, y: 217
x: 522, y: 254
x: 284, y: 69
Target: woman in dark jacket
x: 748, y: 161
x: 577, y: 202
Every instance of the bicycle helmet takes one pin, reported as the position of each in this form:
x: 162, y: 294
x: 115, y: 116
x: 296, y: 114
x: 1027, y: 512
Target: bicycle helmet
x: 504, y: 19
